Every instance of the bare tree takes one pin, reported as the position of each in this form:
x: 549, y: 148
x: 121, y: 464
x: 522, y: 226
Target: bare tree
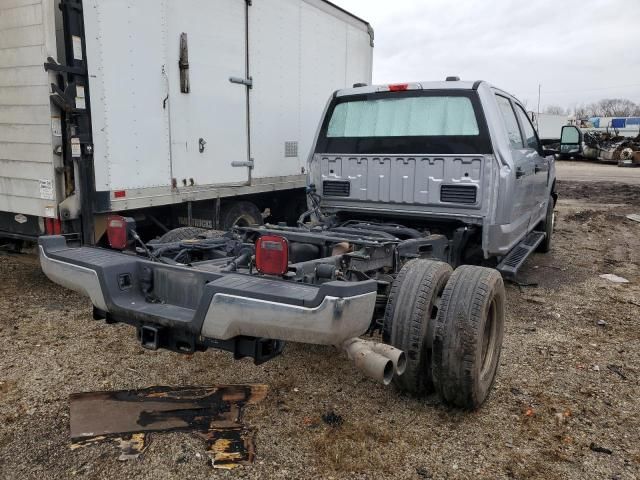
x: 594, y: 109
x: 607, y: 107
x: 583, y: 111
x: 555, y: 110
x: 613, y: 107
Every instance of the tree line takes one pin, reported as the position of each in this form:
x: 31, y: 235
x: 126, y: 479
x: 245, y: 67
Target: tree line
x: 607, y: 107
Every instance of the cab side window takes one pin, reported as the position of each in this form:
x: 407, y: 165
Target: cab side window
x: 510, y: 121
x: 531, y: 139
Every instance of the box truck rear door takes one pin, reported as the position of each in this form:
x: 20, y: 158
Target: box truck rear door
x: 206, y: 48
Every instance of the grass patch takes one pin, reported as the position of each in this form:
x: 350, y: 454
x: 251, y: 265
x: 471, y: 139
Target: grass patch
x: 355, y: 448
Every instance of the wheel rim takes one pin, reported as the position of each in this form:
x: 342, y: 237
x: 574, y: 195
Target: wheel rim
x: 489, y: 340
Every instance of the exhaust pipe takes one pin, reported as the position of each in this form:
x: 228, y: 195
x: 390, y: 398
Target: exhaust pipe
x: 397, y: 356
x: 377, y: 361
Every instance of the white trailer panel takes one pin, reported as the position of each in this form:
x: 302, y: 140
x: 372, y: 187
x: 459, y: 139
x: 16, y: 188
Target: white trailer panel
x: 550, y: 126
x: 125, y: 57
x: 259, y: 74
x: 178, y: 146
x: 299, y: 54
x: 27, y: 161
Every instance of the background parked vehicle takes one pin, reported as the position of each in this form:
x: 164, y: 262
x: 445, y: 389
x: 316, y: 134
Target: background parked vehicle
x: 549, y: 126
x: 604, y: 146
x: 180, y: 113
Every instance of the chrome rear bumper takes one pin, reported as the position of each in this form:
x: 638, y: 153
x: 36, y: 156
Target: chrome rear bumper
x: 225, y: 306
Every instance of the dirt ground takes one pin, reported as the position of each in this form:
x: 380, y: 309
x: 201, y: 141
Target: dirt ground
x: 588, y: 171
x: 566, y: 385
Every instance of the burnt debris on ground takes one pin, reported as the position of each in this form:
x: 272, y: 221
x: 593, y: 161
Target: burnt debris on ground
x: 129, y: 416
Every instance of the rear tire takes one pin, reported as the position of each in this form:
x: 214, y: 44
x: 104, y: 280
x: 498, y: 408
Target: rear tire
x: 468, y: 336
x: 241, y: 214
x: 409, y: 317
x: 181, y: 234
x: 547, y: 226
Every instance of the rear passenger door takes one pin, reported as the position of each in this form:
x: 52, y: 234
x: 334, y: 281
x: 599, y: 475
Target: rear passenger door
x: 541, y: 165
x: 524, y: 169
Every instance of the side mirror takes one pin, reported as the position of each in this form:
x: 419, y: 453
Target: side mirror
x: 547, y: 152
x: 570, y: 140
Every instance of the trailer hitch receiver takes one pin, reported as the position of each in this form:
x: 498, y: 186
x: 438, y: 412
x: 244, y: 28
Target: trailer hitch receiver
x: 149, y: 337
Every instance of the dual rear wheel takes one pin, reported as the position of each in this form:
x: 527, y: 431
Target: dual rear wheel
x: 450, y: 325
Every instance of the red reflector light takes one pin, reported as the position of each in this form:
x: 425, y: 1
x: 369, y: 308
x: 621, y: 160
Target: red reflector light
x: 272, y: 255
x: 117, y: 232
x: 120, y: 194
x: 399, y: 87
x: 52, y: 226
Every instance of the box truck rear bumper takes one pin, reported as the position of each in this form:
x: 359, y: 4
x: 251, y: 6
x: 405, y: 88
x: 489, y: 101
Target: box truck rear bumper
x: 203, y: 308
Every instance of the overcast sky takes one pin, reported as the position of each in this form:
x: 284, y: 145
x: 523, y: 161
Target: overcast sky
x: 579, y: 50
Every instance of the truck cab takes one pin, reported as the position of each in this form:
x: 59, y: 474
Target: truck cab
x: 447, y: 153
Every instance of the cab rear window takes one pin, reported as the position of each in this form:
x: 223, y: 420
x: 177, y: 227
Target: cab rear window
x: 415, y: 122
x: 404, y: 117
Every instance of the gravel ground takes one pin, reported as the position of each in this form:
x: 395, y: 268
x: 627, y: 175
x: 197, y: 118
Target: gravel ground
x: 565, y: 384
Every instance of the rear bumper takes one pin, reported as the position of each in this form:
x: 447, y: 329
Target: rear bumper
x: 74, y: 277
x: 334, y: 321
x: 200, y: 305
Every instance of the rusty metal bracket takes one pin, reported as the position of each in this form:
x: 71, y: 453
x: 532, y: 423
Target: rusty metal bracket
x: 52, y: 65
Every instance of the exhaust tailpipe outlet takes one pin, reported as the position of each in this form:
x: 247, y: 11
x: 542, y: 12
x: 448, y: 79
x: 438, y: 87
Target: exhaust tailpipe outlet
x: 369, y: 362
x: 397, y: 356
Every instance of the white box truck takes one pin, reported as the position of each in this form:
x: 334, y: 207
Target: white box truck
x: 178, y: 112
x: 549, y: 126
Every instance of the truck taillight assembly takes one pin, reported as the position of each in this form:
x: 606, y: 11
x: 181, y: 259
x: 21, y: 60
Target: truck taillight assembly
x: 118, y: 231
x: 272, y: 255
x: 52, y: 226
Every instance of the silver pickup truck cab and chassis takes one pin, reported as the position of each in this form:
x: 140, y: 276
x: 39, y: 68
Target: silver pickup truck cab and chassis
x: 409, y: 185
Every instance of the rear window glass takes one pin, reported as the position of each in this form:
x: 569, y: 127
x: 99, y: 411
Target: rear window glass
x: 404, y: 117
x: 412, y: 122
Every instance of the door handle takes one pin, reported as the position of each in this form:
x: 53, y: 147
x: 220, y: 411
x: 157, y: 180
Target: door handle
x: 242, y: 81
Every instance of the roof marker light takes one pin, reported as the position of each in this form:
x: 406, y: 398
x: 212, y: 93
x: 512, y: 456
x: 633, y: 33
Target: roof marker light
x: 398, y: 87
